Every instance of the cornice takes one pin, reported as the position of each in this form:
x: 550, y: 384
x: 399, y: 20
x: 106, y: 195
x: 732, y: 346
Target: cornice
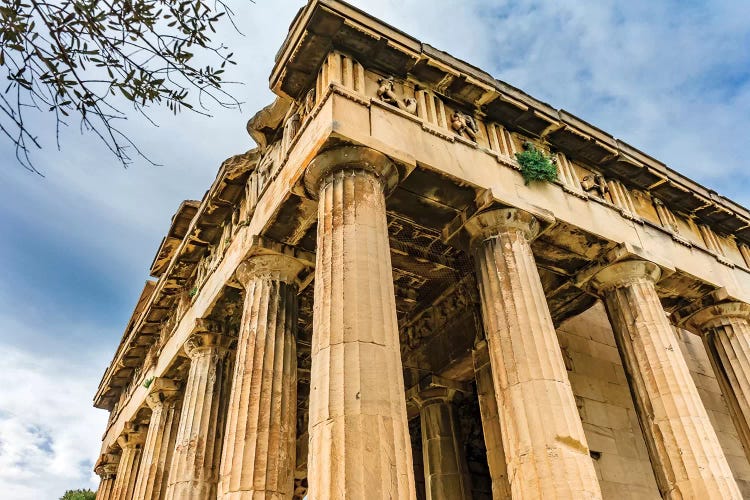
x: 177, y: 266
x: 325, y: 25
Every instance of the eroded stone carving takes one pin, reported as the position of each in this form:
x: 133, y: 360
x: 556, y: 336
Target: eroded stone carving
x: 445, y: 310
x: 595, y: 182
x: 386, y: 93
x: 464, y: 124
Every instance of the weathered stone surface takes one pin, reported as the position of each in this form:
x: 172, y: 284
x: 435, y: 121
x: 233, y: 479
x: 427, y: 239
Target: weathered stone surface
x: 446, y: 473
x: 195, y: 469
x: 106, y: 469
x: 493, y: 436
x: 387, y: 117
x: 258, y: 460
x: 726, y: 331
x: 165, y: 402
x: 604, y: 402
x: 546, y: 457
x: 683, y: 445
x: 131, y: 443
x: 359, y: 439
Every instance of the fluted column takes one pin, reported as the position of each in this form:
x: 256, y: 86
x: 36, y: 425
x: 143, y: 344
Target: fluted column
x: 493, y: 438
x: 446, y: 473
x: 106, y: 469
x: 686, y: 454
x: 258, y: 461
x: 131, y: 442
x: 165, y: 401
x: 726, y: 331
x: 195, y: 465
x: 545, y: 448
x: 359, y: 437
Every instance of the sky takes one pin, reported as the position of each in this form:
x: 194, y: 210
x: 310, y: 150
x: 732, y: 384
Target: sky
x: 672, y: 78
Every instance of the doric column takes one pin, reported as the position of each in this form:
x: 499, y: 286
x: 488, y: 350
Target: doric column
x: 687, y: 457
x: 260, y: 442
x: 493, y: 438
x: 195, y: 465
x: 106, y: 469
x: 545, y: 448
x: 165, y: 401
x: 359, y: 437
x: 445, y: 471
x: 726, y: 332
x: 131, y: 442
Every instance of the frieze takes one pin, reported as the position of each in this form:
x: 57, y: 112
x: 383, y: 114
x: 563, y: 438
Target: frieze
x: 464, y: 125
x: 387, y: 93
x: 460, y: 298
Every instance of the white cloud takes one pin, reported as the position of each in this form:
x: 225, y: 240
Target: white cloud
x: 49, y: 433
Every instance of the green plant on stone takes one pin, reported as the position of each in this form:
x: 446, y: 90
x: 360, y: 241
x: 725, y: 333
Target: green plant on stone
x: 193, y: 292
x: 147, y: 383
x: 535, y: 165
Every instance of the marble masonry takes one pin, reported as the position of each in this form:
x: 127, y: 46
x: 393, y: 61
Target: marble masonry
x: 376, y: 303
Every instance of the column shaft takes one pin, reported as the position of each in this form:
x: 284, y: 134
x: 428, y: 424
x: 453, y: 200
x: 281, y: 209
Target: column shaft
x: 545, y: 448
x: 493, y: 438
x: 687, y: 456
x: 156, y: 459
x: 726, y: 332
x: 131, y: 443
x: 730, y: 348
x: 445, y: 470
x: 260, y: 442
x: 359, y: 439
x: 106, y: 468
x: 195, y: 465
x: 107, y: 483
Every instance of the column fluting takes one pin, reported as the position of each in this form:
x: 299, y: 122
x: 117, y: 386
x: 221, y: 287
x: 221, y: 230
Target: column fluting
x: 106, y: 469
x: 156, y: 460
x: 546, y: 452
x: 195, y: 465
x: 131, y: 443
x: 685, y: 451
x: 260, y: 441
x: 359, y: 438
x: 445, y: 470
x: 493, y: 438
x: 726, y: 331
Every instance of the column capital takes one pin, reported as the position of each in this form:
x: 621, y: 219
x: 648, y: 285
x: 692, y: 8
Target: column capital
x: 208, y: 337
x: 106, y: 466
x: 274, y: 266
x: 434, y: 389
x: 328, y: 162
x: 162, y: 390
x: 624, y: 273
x: 502, y: 220
x: 717, y: 315
x: 712, y: 309
x: 205, y: 342
x: 133, y: 435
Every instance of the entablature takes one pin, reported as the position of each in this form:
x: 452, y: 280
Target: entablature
x: 196, y: 228
x: 180, y: 224
x: 324, y: 26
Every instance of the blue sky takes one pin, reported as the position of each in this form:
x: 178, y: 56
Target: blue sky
x: 671, y: 78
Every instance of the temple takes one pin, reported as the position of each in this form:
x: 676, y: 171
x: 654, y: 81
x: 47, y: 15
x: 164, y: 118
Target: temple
x: 376, y: 303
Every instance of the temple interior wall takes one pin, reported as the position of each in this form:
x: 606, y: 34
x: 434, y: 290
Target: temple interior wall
x: 608, y: 415
x: 718, y: 411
